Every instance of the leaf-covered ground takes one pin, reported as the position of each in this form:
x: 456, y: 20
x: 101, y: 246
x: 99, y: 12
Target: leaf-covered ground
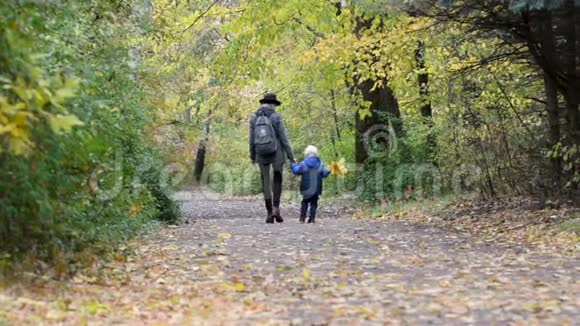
x: 227, y: 267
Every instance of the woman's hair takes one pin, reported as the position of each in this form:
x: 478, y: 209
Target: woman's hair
x: 311, y: 151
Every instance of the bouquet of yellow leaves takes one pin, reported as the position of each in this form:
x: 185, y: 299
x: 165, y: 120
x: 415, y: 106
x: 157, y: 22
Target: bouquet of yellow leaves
x: 338, y: 168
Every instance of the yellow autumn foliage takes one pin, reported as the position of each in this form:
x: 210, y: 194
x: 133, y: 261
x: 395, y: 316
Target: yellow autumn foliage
x: 338, y: 168
x: 29, y: 103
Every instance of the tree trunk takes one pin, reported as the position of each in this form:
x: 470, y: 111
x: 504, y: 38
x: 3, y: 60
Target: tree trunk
x: 335, y: 113
x: 554, y: 127
x: 384, y: 106
x: 542, y: 33
x: 423, y: 79
x: 384, y: 110
x: 426, y: 108
x: 337, y: 135
x: 382, y: 100
x: 559, y: 59
x: 202, y: 149
x: 572, y: 96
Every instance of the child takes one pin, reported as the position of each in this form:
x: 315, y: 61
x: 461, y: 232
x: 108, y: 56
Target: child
x: 312, y: 170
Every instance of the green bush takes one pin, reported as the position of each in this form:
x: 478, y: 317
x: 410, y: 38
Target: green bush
x: 406, y: 171
x: 91, y: 187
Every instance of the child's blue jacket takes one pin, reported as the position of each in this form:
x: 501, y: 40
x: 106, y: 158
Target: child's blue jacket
x: 312, y: 171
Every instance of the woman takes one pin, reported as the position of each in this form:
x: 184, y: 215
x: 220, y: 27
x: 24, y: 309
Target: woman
x: 269, y: 147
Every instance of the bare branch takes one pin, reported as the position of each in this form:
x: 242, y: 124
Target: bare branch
x: 198, y: 18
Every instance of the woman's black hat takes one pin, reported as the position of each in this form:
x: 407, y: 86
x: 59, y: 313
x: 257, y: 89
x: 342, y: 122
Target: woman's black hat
x: 270, y: 98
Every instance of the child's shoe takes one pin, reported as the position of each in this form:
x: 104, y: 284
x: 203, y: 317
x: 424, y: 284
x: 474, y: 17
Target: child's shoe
x: 302, y: 219
x: 311, y: 220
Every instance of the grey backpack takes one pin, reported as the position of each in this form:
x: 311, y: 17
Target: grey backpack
x: 265, y: 136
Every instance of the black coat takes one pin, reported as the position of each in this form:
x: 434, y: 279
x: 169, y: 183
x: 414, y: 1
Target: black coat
x: 284, y: 149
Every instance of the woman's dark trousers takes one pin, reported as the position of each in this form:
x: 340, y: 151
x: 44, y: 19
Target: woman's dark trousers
x: 272, y: 190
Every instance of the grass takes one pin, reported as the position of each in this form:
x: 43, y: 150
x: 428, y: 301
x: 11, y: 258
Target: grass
x: 429, y: 205
x: 571, y: 226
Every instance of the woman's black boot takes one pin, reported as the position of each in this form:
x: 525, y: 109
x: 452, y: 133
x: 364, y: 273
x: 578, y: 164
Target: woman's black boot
x: 270, y: 218
x: 277, y: 216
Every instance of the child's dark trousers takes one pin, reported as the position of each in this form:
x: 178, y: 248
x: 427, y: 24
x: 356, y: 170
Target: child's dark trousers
x: 313, y: 203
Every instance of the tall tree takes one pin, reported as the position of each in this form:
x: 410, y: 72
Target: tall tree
x: 548, y: 30
x: 383, y: 109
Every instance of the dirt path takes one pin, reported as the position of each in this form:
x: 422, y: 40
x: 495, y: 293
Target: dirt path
x: 227, y: 267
